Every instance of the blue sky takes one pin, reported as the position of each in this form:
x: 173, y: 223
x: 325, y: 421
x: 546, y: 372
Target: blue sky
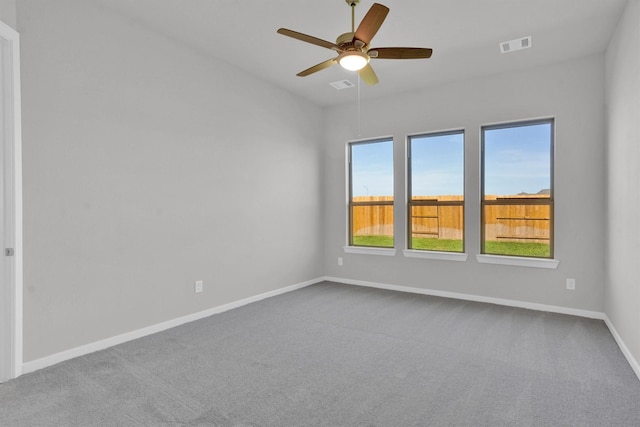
x: 517, y: 159
x: 437, y: 165
x: 372, y: 169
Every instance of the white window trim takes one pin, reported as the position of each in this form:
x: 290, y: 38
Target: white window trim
x: 362, y: 250
x: 429, y: 254
x: 443, y: 256
x: 518, y: 261
x: 521, y: 261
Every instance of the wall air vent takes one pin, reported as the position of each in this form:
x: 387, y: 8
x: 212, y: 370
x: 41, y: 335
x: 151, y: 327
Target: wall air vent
x: 342, y: 84
x: 516, y: 44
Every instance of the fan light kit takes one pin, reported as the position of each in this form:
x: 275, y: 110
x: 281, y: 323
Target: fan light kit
x: 353, y: 48
x: 353, y: 61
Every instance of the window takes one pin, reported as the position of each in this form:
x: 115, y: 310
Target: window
x: 371, y: 193
x: 436, y: 192
x: 517, y: 189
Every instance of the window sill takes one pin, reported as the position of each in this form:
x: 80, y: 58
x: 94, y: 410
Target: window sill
x: 445, y: 256
x: 362, y: 250
x: 518, y: 261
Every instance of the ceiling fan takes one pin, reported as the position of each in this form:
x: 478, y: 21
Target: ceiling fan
x: 353, y: 47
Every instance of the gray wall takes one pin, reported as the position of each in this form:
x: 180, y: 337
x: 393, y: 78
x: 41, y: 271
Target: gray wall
x: 572, y: 92
x: 148, y: 166
x: 8, y: 12
x: 623, y: 190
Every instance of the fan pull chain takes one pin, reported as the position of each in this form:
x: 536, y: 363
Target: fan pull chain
x: 359, y: 115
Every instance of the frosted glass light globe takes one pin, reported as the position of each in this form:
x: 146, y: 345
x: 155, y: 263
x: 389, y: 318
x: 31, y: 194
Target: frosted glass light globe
x: 353, y: 61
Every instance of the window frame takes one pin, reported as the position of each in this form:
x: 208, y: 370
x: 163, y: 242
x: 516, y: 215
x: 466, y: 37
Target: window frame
x: 428, y: 202
x: 520, y: 201
x: 351, y: 204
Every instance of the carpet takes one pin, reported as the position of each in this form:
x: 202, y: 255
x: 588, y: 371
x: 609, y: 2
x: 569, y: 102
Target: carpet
x: 338, y: 355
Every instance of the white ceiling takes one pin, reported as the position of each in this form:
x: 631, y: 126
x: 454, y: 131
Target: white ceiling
x: 464, y: 35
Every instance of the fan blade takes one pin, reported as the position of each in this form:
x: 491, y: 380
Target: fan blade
x: 321, y: 66
x: 309, y: 39
x: 368, y: 75
x: 400, y: 52
x: 371, y: 23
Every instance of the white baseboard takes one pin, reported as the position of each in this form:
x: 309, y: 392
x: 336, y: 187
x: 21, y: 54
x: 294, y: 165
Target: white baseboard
x: 53, y: 359
x: 477, y: 298
x: 506, y: 302
x: 56, y: 358
x: 623, y: 347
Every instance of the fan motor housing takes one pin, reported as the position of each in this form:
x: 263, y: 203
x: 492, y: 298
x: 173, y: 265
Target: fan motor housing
x: 344, y: 39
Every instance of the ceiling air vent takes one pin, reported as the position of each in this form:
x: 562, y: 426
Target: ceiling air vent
x: 516, y: 44
x: 342, y: 84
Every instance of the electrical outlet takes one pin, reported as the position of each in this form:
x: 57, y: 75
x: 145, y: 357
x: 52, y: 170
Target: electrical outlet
x: 198, y: 286
x: 339, y: 260
x: 571, y: 284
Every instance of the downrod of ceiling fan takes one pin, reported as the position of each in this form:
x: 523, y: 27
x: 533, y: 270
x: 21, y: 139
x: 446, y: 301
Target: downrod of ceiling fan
x: 353, y: 4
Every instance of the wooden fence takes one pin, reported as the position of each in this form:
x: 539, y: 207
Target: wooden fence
x: 376, y: 220
x: 504, y: 222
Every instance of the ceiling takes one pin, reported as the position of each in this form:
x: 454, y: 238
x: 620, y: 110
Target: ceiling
x: 464, y: 35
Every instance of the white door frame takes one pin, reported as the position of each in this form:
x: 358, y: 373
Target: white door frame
x: 11, y: 280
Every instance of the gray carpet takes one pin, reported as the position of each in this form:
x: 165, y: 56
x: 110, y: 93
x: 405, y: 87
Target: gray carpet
x: 337, y: 355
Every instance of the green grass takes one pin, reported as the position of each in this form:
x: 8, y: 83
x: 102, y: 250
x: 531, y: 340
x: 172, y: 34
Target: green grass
x: 418, y: 243
x: 444, y: 245
x: 532, y: 249
x: 379, y: 241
